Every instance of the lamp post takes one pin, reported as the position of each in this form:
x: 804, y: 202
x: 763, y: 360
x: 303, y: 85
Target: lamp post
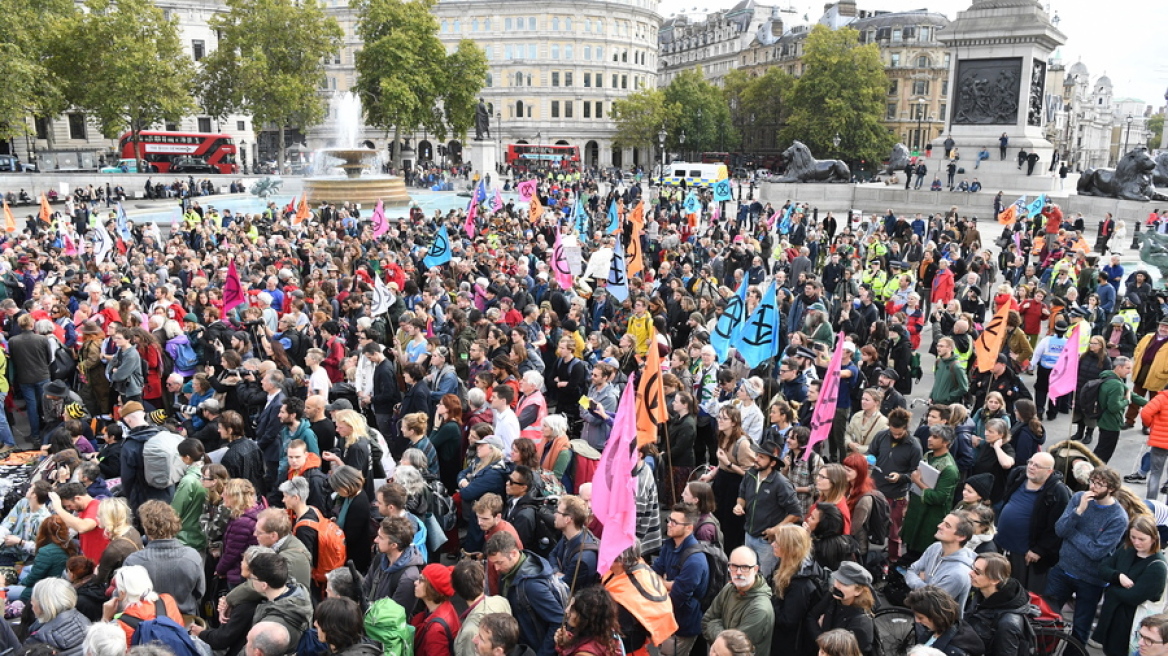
x: 499, y: 121
x: 921, y: 102
x: 243, y: 155
x: 1126, y: 134
x: 835, y: 142
x: 661, y: 142
x: 681, y: 140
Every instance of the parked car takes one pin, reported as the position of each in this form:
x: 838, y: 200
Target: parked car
x: 191, y: 165
x: 128, y: 165
x: 13, y: 163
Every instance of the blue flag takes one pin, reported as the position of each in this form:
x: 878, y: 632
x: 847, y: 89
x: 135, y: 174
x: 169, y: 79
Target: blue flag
x: 1034, y: 208
x: 481, y: 192
x: 581, y: 218
x: 440, y: 251
x: 692, y: 204
x: 756, y: 340
x: 613, y: 219
x: 785, y: 222
x: 722, y: 190
x: 730, y: 322
x: 618, y: 279
x: 123, y: 228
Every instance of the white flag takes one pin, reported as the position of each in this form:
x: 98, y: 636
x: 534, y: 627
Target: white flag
x: 382, y: 297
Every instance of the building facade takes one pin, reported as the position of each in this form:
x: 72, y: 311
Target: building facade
x: 1088, y: 125
x: 74, y: 141
x: 713, y: 43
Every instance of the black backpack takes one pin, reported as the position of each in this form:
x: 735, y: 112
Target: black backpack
x: 712, y: 521
x: 546, y: 534
x: 1088, y: 401
x: 879, y: 519
x: 298, y: 347
x: 719, y: 567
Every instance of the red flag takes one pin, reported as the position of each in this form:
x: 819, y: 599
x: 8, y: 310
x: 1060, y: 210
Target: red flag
x: 614, y: 489
x: 821, y: 417
x: 651, y: 410
x: 232, y: 289
x: 469, y: 226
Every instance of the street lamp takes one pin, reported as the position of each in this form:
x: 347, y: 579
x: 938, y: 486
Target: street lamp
x: 499, y: 122
x: 243, y: 154
x: 921, y: 102
x: 1126, y: 134
x: 661, y: 141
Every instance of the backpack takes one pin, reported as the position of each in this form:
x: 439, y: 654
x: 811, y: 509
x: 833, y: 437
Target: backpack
x: 719, y: 540
x: 879, y: 519
x: 298, y: 348
x: 185, y: 358
x: 559, y: 590
x: 719, y: 568
x: 161, y: 463
x: 442, y: 506
x: 546, y: 533
x: 162, y: 630
x: 1088, y: 401
x: 547, y: 485
x: 376, y: 456
x: 330, y: 545
x: 386, y: 623
x: 64, y: 365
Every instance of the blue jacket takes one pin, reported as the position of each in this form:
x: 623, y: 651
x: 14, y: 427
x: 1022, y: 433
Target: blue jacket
x: 543, y: 610
x: 567, y: 553
x: 1106, y: 297
x: 689, y: 583
x: 268, y: 428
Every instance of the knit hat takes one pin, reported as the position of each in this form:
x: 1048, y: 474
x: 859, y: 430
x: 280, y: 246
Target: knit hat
x: 158, y: 417
x: 75, y: 410
x: 130, y: 408
x: 850, y: 573
x: 983, y: 484
x: 438, y: 576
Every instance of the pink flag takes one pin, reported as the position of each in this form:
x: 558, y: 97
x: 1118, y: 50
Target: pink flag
x: 380, y: 225
x: 526, y: 190
x: 497, y: 203
x: 821, y: 417
x: 614, y: 489
x: 774, y: 217
x: 1065, y: 375
x: 232, y: 289
x: 717, y: 214
x: 70, y: 246
x: 469, y: 226
x: 559, y: 263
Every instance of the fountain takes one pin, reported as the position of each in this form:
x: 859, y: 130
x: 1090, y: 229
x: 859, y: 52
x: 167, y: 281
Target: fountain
x: 355, y: 183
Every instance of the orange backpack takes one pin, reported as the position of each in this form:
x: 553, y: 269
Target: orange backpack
x: 330, y: 545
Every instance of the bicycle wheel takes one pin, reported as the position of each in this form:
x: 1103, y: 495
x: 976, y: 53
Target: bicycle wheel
x: 894, y: 630
x: 1053, y: 642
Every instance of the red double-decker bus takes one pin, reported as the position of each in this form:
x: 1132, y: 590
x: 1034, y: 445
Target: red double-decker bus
x: 561, y: 157
x: 182, y: 152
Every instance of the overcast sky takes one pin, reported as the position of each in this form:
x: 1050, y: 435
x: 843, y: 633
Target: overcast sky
x: 1126, y: 39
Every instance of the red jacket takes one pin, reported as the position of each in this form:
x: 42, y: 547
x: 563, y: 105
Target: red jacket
x: 1155, y: 415
x: 430, y: 638
x: 1032, y: 312
x: 152, y: 381
x: 942, y: 287
x: 334, y: 359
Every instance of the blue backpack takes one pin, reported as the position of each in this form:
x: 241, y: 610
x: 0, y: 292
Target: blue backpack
x: 162, y: 630
x: 185, y: 358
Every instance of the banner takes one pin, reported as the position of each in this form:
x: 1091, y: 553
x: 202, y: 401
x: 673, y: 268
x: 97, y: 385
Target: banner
x: 988, y: 344
x: 614, y: 488
x: 47, y: 212
x: 559, y: 263
x: 634, y: 260
x: 123, y: 222
x: 302, y: 213
x: 102, y: 243
x: 440, y: 251
x: 756, y: 341
x: 1035, y: 208
x: 651, y: 409
x: 717, y: 214
x: 536, y: 210
x: 730, y: 322
x: 527, y: 190
x: 1008, y: 215
x: 785, y: 223
x: 618, y: 281
x: 1064, y: 378
x: 821, y: 417
x: 722, y: 191
x: 497, y: 203
x: 380, y: 224
x: 481, y: 192
x: 692, y: 204
x: 637, y: 216
x: 581, y: 216
x: 232, y: 289
x: 382, y: 297
x: 613, y: 219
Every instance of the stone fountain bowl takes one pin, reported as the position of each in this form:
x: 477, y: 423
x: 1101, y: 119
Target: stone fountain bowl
x: 354, y: 187
x: 354, y: 159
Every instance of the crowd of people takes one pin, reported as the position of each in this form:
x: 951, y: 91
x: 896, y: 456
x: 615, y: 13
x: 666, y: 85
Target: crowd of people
x: 265, y: 437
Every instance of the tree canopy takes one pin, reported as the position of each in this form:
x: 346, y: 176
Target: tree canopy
x: 29, y: 36
x: 640, y: 116
x: 703, y: 114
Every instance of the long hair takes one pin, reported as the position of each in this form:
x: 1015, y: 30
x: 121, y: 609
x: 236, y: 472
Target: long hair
x: 1028, y: 414
x: 727, y: 440
x: 704, y: 493
x: 794, y: 544
x: 863, y: 483
x: 596, y: 617
x: 53, y: 530
x: 838, y: 477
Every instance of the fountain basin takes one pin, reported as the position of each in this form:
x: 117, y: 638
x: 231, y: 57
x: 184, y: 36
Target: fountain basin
x: 354, y: 187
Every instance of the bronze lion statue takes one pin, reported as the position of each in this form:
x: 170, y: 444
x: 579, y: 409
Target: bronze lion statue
x: 1132, y: 179
x: 897, y: 160
x: 802, y: 167
x: 1160, y: 175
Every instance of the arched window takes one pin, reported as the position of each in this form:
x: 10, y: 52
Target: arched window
x: 518, y: 79
x: 519, y: 109
x: 556, y: 23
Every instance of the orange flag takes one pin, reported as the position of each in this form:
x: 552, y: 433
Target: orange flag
x: 637, y: 216
x: 536, y: 210
x: 9, y: 220
x: 302, y: 212
x: 988, y: 345
x: 651, y: 410
x: 1008, y: 215
x: 634, y: 260
x: 46, y: 211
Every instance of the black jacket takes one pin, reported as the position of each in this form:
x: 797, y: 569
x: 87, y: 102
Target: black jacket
x: 1050, y: 506
x: 243, y: 460
x: 802, y: 594
x: 959, y: 640
x: 835, y: 615
x: 1000, y: 619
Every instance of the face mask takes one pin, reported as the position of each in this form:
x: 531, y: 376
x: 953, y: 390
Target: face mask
x: 837, y: 593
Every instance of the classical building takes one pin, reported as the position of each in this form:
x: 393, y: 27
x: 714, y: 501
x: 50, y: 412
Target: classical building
x: 713, y: 43
x: 1088, y: 125
x: 916, y: 63
x: 73, y: 140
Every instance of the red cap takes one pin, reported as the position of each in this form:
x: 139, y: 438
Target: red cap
x: 438, y: 576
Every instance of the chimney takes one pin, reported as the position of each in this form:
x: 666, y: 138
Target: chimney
x: 777, y: 28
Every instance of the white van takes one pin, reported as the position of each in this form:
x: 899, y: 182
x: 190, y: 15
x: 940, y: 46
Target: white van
x: 695, y: 174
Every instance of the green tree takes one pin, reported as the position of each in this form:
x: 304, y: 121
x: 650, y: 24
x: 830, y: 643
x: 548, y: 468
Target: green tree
x: 765, y: 104
x: 1156, y: 128
x: 704, y: 113
x: 639, y: 118
x: 270, y: 63
x: 842, y: 92
x: 404, y: 76
x: 29, y: 35
x: 143, y: 75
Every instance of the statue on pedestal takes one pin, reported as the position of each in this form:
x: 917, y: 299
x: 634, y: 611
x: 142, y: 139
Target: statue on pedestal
x: 482, y: 121
x: 1131, y: 179
x: 802, y: 167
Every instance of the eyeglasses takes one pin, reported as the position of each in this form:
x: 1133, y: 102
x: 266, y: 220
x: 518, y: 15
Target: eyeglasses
x: 741, y: 568
x: 1146, y: 640
x: 511, y: 482
x: 674, y: 522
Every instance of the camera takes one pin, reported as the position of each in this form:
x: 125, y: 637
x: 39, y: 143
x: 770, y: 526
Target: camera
x: 241, y: 373
x: 185, y: 410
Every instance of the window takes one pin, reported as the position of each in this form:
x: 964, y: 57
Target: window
x: 568, y: 108
x: 241, y: 126
x: 532, y: 51
x: 568, y: 26
x: 506, y: 52
x: 518, y: 79
x: 920, y: 87
x: 486, y: 25
x: 599, y: 109
x: 891, y: 113
x: 624, y: 81
x: 457, y: 26
x: 204, y: 124
x: 587, y: 26
x: 599, y: 80
x: 531, y: 26
x: 529, y: 79
x: 77, y: 126
x: 599, y: 54
x: 944, y: 87
x: 474, y: 25
x: 555, y: 109
x: 556, y: 23
x: 519, y: 108
x: 615, y: 78
x: 587, y: 109
x: 895, y: 63
x: 555, y: 50
x: 198, y: 49
x: 892, y: 88
x: 445, y: 27
x: 555, y: 78
x: 587, y: 53
x: 946, y: 61
x: 926, y: 33
x: 172, y: 127
x: 568, y: 52
x: 923, y: 61
x: 896, y: 35
x: 625, y: 56
x: 942, y: 115
x: 490, y: 80
x: 567, y: 78
x: 587, y: 80
x: 506, y: 24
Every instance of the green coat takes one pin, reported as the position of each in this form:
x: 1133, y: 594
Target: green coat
x: 949, y: 381
x: 1114, y: 401
x: 925, y: 511
x: 49, y: 563
x: 1119, y: 603
x: 751, y: 613
x: 190, y: 499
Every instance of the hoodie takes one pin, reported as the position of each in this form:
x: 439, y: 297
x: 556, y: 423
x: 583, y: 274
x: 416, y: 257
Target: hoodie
x: 950, y: 573
x: 396, y: 579
x: 134, y: 486
x: 1000, y: 619
x: 303, y: 432
x: 539, y: 610
x: 293, y: 609
x: 750, y: 612
x: 318, y: 489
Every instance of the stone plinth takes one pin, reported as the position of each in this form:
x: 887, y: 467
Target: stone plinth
x: 366, y: 190
x: 484, y: 156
